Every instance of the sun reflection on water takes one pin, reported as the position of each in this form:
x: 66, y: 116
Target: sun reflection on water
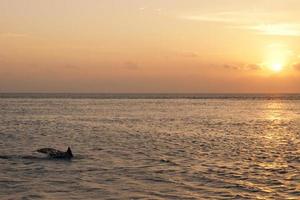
x: 275, y: 119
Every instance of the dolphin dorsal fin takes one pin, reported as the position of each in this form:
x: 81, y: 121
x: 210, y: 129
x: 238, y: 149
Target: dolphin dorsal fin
x: 69, y: 152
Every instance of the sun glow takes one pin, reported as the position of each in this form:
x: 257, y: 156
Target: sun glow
x: 276, y: 67
x: 277, y: 57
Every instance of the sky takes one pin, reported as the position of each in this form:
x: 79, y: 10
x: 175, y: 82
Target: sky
x: 143, y: 46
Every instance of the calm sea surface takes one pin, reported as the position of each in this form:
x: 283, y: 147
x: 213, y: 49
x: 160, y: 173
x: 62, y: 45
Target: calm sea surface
x: 150, y: 146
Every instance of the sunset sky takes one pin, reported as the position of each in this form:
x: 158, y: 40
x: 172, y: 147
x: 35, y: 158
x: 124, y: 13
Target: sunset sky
x: 150, y: 46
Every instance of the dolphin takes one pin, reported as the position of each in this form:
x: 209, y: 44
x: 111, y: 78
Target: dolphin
x: 57, y: 154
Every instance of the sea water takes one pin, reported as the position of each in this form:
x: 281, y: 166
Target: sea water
x: 150, y: 146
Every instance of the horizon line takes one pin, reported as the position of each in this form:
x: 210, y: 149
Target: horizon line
x: 151, y: 93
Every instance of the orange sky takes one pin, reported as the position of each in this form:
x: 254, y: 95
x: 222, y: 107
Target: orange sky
x: 149, y: 46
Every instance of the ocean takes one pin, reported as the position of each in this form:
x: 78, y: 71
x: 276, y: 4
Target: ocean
x: 151, y: 146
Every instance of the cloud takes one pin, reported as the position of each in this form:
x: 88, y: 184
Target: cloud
x: 253, y: 67
x: 150, y: 10
x: 72, y: 67
x: 189, y: 54
x: 13, y: 35
x: 231, y: 67
x: 236, y: 17
x: 296, y: 66
x: 130, y: 65
x: 277, y: 29
x: 260, y: 22
x: 247, y: 67
x: 158, y: 9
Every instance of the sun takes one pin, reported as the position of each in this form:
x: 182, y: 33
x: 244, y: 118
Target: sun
x: 276, y: 67
x: 277, y: 57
